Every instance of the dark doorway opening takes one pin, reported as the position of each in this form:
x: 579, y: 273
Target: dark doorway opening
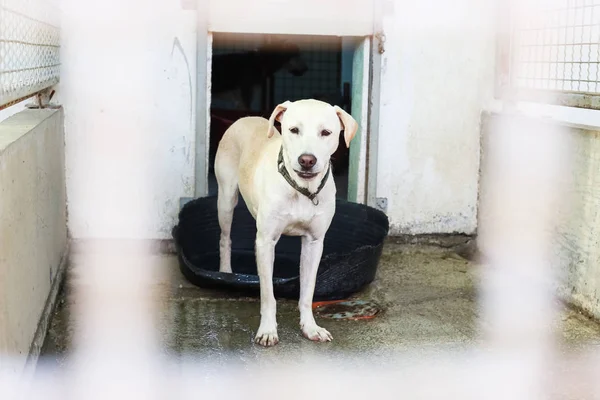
x: 252, y: 73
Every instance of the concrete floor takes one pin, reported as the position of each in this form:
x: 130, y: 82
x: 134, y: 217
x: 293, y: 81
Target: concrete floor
x: 427, y: 295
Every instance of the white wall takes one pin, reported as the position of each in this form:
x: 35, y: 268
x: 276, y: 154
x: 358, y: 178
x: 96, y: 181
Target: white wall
x: 120, y: 78
x: 314, y: 17
x: 437, y: 75
x: 124, y: 80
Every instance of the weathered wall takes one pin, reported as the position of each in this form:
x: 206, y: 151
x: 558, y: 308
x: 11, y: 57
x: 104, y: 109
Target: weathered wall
x: 578, y: 242
x: 437, y: 75
x: 33, y: 233
x: 128, y: 71
x: 575, y: 254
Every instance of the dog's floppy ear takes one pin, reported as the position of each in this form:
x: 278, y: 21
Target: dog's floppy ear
x: 350, y: 125
x: 277, y: 115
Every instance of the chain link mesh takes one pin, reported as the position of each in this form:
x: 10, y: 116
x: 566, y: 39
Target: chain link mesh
x: 557, y: 47
x: 29, y: 47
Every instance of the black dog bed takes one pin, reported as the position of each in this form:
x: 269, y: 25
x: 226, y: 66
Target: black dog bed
x: 351, y: 251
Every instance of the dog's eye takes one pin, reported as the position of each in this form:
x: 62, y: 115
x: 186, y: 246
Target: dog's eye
x: 325, y: 132
x: 294, y: 130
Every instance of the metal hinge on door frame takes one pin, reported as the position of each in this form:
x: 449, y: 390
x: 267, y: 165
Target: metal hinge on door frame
x: 380, y: 36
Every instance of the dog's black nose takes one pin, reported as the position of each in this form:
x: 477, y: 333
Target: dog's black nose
x: 307, y: 161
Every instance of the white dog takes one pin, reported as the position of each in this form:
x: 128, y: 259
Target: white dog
x: 287, y: 184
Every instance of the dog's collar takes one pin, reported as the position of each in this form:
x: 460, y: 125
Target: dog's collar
x: 286, y: 175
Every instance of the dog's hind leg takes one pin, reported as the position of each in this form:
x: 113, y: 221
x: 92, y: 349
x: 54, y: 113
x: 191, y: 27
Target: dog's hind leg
x: 227, y: 179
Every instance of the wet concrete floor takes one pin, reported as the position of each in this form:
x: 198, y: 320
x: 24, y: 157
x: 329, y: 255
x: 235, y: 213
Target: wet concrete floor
x: 427, y: 297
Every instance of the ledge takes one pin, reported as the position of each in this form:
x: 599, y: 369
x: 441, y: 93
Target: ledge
x: 20, y: 124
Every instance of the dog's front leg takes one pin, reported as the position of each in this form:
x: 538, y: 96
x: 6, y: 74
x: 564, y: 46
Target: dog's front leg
x: 265, y: 257
x: 310, y: 258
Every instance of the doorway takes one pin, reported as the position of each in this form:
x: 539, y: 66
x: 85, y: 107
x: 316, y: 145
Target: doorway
x: 252, y: 73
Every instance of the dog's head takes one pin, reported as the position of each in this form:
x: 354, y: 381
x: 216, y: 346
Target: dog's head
x: 310, y: 131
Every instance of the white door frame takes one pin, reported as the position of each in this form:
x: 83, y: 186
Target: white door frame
x: 216, y: 16
x: 203, y: 80
x: 377, y: 49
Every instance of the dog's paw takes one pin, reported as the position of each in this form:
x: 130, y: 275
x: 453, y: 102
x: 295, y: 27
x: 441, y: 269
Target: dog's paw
x: 266, y: 338
x: 315, y: 333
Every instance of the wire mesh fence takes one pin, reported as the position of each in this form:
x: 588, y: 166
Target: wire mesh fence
x: 321, y: 54
x: 116, y: 355
x: 555, y: 47
x: 323, y: 77
x: 29, y: 48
